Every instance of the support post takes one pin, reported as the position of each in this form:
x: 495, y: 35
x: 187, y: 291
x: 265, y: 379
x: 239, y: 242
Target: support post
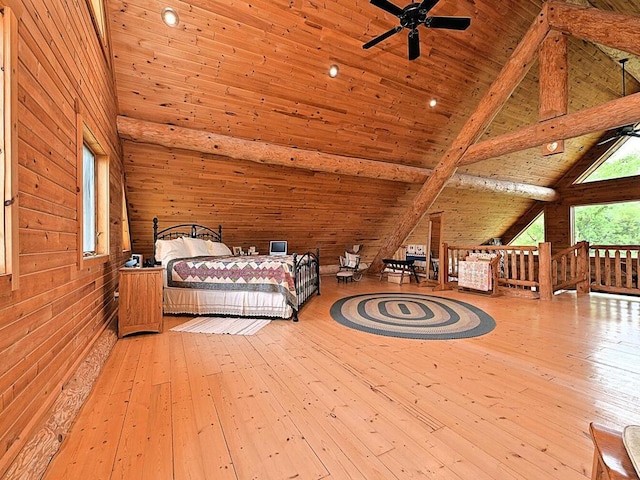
x: 544, y: 271
x: 584, y: 270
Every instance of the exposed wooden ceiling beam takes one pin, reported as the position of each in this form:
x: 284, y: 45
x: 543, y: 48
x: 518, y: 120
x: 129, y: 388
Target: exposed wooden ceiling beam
x: 616, y: 30
x: 613, y: 114
x: 499, y: 92
x: 633, y: 64
x: 171, y: 136
x: 553, y: 86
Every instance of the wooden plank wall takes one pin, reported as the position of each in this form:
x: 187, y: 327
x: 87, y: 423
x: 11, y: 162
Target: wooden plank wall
x: 257, y: 203
x: 49, y: 323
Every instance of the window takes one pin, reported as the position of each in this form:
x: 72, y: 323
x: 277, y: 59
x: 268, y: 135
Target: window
x: 126, y: 235
x: 8, y: 150
x: 623, y: 160
x: 93, y: 196
x: 608, y: 224
x: 97, y: 10
x: 89, y: 207
x: 532, y: 235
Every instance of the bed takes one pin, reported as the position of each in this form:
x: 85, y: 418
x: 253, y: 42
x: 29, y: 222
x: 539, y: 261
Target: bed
x: 202, y: 277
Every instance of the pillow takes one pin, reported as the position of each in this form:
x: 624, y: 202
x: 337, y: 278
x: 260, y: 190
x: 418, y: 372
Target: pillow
x: 218, y: 249
x: 196, y: 247
x: 167, y: 250
x: 351, y: 260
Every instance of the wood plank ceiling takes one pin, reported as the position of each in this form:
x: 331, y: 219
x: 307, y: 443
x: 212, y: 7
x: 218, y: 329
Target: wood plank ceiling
x: 258, y: 71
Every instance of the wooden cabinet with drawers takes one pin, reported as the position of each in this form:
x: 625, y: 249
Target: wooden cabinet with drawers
x: 140, y: 308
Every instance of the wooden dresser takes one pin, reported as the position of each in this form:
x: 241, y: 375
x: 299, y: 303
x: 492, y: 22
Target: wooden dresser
x: 140, y: 308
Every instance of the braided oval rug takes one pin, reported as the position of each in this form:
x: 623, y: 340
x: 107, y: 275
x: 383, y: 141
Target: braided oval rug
x: 408, y: 315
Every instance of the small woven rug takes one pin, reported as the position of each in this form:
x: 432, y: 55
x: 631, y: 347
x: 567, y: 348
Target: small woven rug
x: 222, y: 325
x: 408, y: 315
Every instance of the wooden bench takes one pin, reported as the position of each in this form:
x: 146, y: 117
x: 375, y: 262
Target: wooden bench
x: 610, y: 458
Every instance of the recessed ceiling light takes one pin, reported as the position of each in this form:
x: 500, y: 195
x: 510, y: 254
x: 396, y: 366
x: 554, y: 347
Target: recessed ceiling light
x: 170, y: 16
x: 433, y: 102
x: 333, y: 71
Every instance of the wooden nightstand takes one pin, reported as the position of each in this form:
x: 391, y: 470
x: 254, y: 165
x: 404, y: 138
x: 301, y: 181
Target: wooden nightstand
x: 140, y: 307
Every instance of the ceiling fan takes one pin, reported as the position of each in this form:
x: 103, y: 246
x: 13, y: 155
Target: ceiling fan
x: 627, y: 130
x: 411, y: 17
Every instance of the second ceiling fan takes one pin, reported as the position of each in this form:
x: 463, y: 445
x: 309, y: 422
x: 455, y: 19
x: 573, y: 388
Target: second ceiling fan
x: 411, y: 17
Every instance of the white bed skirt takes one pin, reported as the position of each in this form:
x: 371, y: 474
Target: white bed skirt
x: 216, y: 302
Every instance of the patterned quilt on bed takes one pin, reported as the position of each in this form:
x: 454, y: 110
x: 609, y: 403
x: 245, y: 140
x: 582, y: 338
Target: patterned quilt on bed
x: 263, y: 273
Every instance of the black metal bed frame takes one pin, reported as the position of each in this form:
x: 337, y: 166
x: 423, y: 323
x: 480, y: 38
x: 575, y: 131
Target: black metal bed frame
x: 306, y: 266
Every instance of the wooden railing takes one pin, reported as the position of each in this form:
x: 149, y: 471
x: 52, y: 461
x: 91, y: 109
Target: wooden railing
x: 533, y: 272
x: 570, y: 269
x: 614, y: 268
x: 522, y: 271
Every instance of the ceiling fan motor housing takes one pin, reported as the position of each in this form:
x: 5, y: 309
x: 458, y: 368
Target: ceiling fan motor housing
x: 413, y: 15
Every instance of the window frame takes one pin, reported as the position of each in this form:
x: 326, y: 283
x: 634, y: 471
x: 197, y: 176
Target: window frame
x: 126, y: 228
x: 572, y: 219
x: 612, y: 152
x: 86, y: 136
x: 98, y: 14
x: 9, y: 249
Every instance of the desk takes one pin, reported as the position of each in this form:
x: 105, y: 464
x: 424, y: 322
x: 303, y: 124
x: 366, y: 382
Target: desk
x: 400, y: 265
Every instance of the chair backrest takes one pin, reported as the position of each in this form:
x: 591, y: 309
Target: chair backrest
x: 351, y: 260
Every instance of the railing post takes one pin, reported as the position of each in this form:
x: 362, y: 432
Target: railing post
x: 544, y: 273
x: 584, y: 270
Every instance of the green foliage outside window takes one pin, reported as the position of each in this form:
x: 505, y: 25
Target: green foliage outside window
x: 532, y: 235
x: 612, y: 224
x: 609, y: 224
x: 624, y: 162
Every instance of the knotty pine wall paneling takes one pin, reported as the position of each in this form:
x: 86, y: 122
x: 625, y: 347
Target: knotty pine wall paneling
x: 258, y: 203
x: 50, y: 322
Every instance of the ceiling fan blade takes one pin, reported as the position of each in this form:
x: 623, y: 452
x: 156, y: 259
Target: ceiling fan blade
x: 387, y: 6
x: 427, y: 5
x: 414, y: 45
x: 452, y: 23
x: 382, y: 37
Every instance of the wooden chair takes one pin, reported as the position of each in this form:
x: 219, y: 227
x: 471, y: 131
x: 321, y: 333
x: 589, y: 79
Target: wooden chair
x: 610, y: 458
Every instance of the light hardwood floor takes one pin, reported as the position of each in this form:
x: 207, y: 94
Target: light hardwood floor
x: 317, y: 400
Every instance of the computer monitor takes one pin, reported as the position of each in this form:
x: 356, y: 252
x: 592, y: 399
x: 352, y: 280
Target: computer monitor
x: 278, y: 247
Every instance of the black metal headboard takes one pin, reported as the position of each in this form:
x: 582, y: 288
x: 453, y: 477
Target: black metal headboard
x: 192, y: 230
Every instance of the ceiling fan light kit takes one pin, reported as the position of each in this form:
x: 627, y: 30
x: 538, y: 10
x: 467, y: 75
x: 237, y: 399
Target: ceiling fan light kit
x: 411, y: 17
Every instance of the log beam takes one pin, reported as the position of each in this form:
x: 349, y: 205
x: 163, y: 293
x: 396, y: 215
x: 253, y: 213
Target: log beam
x: 554, y: 84
x: 616, y: 30
x: 171, y: 136
x: 613, y: 114
x: 499, y: 92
